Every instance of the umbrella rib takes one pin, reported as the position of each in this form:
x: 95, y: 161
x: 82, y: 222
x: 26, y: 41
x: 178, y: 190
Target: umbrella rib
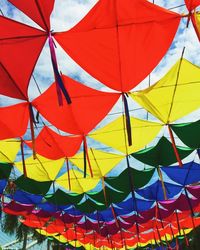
x: 42, y: 16
x: 22, y: 37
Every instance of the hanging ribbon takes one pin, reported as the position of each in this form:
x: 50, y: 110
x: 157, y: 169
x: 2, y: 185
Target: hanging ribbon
x: 162, y: 182
x: 128, y: 120
x: 133, y: 194
x: 68, y: 173
x: 122, y: 239
x: 174, y: 147
x: 158, y: 214
x: 172, y: 232
x: 158, y: 232
x: 191, y: 208
x: 86, y: 158
x: 104, y: 190
x: 59, y: 82
x: 32, y: 122
x: 177, y: 220
x: 155, y: 237
x: 188, y: 199
x: 54, y: 192
x: 114, y: 215
x: 177, y: 243
x: 94, y: 238
x: 74, y: 225
x: 23, y: 159
x: 186, y: 239
x: 98, y: 220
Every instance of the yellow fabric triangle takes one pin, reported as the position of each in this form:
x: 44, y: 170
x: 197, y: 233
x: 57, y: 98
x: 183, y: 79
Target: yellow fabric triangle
x: 101, y: 162
x: 78, y: 183
x: 41, y: 169
x: 170, y: 99
x: 115, y: 136
x: 9, y: 150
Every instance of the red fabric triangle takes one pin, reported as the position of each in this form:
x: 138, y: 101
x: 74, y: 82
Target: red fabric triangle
x: 20, y: 47
x: 192, y: 4
x: 54, y: 146
x: 120, y: 42
x: 38, y: 10
x: 88, y: 107
x: 14, y: 120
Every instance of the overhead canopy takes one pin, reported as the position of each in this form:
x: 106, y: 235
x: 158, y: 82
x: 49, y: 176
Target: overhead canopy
x: 39, y: 11
x: 20, y: 48
x: 5, y: 169
x: 175, y: 95
x: 112, y: 35
x: 81, y: 116
x: 155, y: 191
x: 8, y: 150
x: 55, y: 146
x: 78, y: 184
x: 101, y: 162
x: 32, y: 186
x: 192, y: 4
x: 188, y: 133
x: 188, y: 175
x: 113, y: 134
x: 114, y: 192
x: 41, y: 169
x: 78, y: 197
x: 161, y: 154
x: 14, y: 121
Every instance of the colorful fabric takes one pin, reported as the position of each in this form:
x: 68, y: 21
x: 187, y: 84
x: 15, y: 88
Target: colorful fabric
x: 174, y: 96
